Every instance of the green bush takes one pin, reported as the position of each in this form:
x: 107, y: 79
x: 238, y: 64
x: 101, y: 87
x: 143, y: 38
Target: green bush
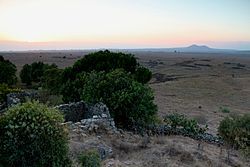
x: 224, y: 110
x: 7, y: 72
x: 129, y: 101
x: 4, y: 90
x: 143, y: 75
x: 34, y: 72
x: 90, y: 158
x: 108, y: 61
x: 51, y: 80
x: 235, y: 130
x: 31, y: 135
x: 189, y: 125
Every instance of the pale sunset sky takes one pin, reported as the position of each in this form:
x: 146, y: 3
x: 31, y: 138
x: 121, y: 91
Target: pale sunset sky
x: 86, y: 24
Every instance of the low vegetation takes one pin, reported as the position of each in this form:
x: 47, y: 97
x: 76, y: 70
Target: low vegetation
x: 90, y: 158
x: 31, y: 135
x: 224, y: 109
x: 180, y: 121
x: 235, y: 130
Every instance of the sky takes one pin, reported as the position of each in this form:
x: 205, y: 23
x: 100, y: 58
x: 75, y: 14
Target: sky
x: 85, y: 24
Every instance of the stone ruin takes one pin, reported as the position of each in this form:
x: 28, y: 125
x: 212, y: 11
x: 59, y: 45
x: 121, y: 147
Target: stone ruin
x: 79, y: 115
x: 86, y: 118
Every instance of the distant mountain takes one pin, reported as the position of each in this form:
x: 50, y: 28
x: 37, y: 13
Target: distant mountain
x: 192, y: 49
x: 200, y: 48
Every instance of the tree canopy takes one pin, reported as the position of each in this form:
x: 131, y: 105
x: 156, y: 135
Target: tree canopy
x: 7, y: 72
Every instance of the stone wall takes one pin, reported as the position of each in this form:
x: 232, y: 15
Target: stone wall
x: 16, y: 98
x: 75, y: 112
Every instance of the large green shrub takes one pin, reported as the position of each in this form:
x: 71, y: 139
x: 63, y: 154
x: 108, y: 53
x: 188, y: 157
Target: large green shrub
x: 142, y: 74
x: 108, y: 61
x: 7, y: 72
x: 31, y: 135
x: 235, y: 130
x: 90, y: 158
x: 129, y: 101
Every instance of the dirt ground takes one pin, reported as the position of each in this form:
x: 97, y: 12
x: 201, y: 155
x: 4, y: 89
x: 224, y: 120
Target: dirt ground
x: 197, y: 85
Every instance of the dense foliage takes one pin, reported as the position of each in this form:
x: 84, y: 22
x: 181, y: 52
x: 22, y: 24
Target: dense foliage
x: 7, y: 72
x: 4, y: 90
x: 129, y: 101
x: 90, y: 158
x: 51, y: 80
x: 115, y: 79
x: 235, y: 130
x: 189, y: 125
x: 107, y: 61
x: 25, y: 74
x: 34, y: 72
x: 31, y: 135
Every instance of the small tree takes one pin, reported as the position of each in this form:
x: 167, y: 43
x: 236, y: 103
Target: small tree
x: 51, y: 80
x: 143, y: 75
x: 7, y: 72
x: 25, y: 74
x: 34, y: 72
x: 31, y: 135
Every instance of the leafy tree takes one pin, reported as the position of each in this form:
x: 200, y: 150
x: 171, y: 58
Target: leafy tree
x: 25, y: 74
x: 51, y: 80
x: 142, y: 74
x: 37, y: 71
x: 7, y: 72
x: 72, y: 90
x: 108, y: 61
x: 34, y: 72
x: 129, y: 102
x: 31, y: 134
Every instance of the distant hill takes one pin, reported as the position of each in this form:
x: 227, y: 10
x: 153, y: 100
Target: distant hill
x: 201, y: 49
x: 193, y: 49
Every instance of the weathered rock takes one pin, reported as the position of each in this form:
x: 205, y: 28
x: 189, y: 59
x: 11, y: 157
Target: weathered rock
x: 20, y: 97
x: 75, y: 112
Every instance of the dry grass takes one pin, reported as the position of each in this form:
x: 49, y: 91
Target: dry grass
x: 202, y: 84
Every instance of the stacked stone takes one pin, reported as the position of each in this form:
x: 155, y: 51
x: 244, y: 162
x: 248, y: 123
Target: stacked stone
x: 96, y: 124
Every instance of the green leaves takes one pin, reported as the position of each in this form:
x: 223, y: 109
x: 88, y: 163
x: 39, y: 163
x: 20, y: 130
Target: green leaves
x: 128, y: 100
x: 7, y: 72
x: 31, y: 135
x: 235, y: 130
